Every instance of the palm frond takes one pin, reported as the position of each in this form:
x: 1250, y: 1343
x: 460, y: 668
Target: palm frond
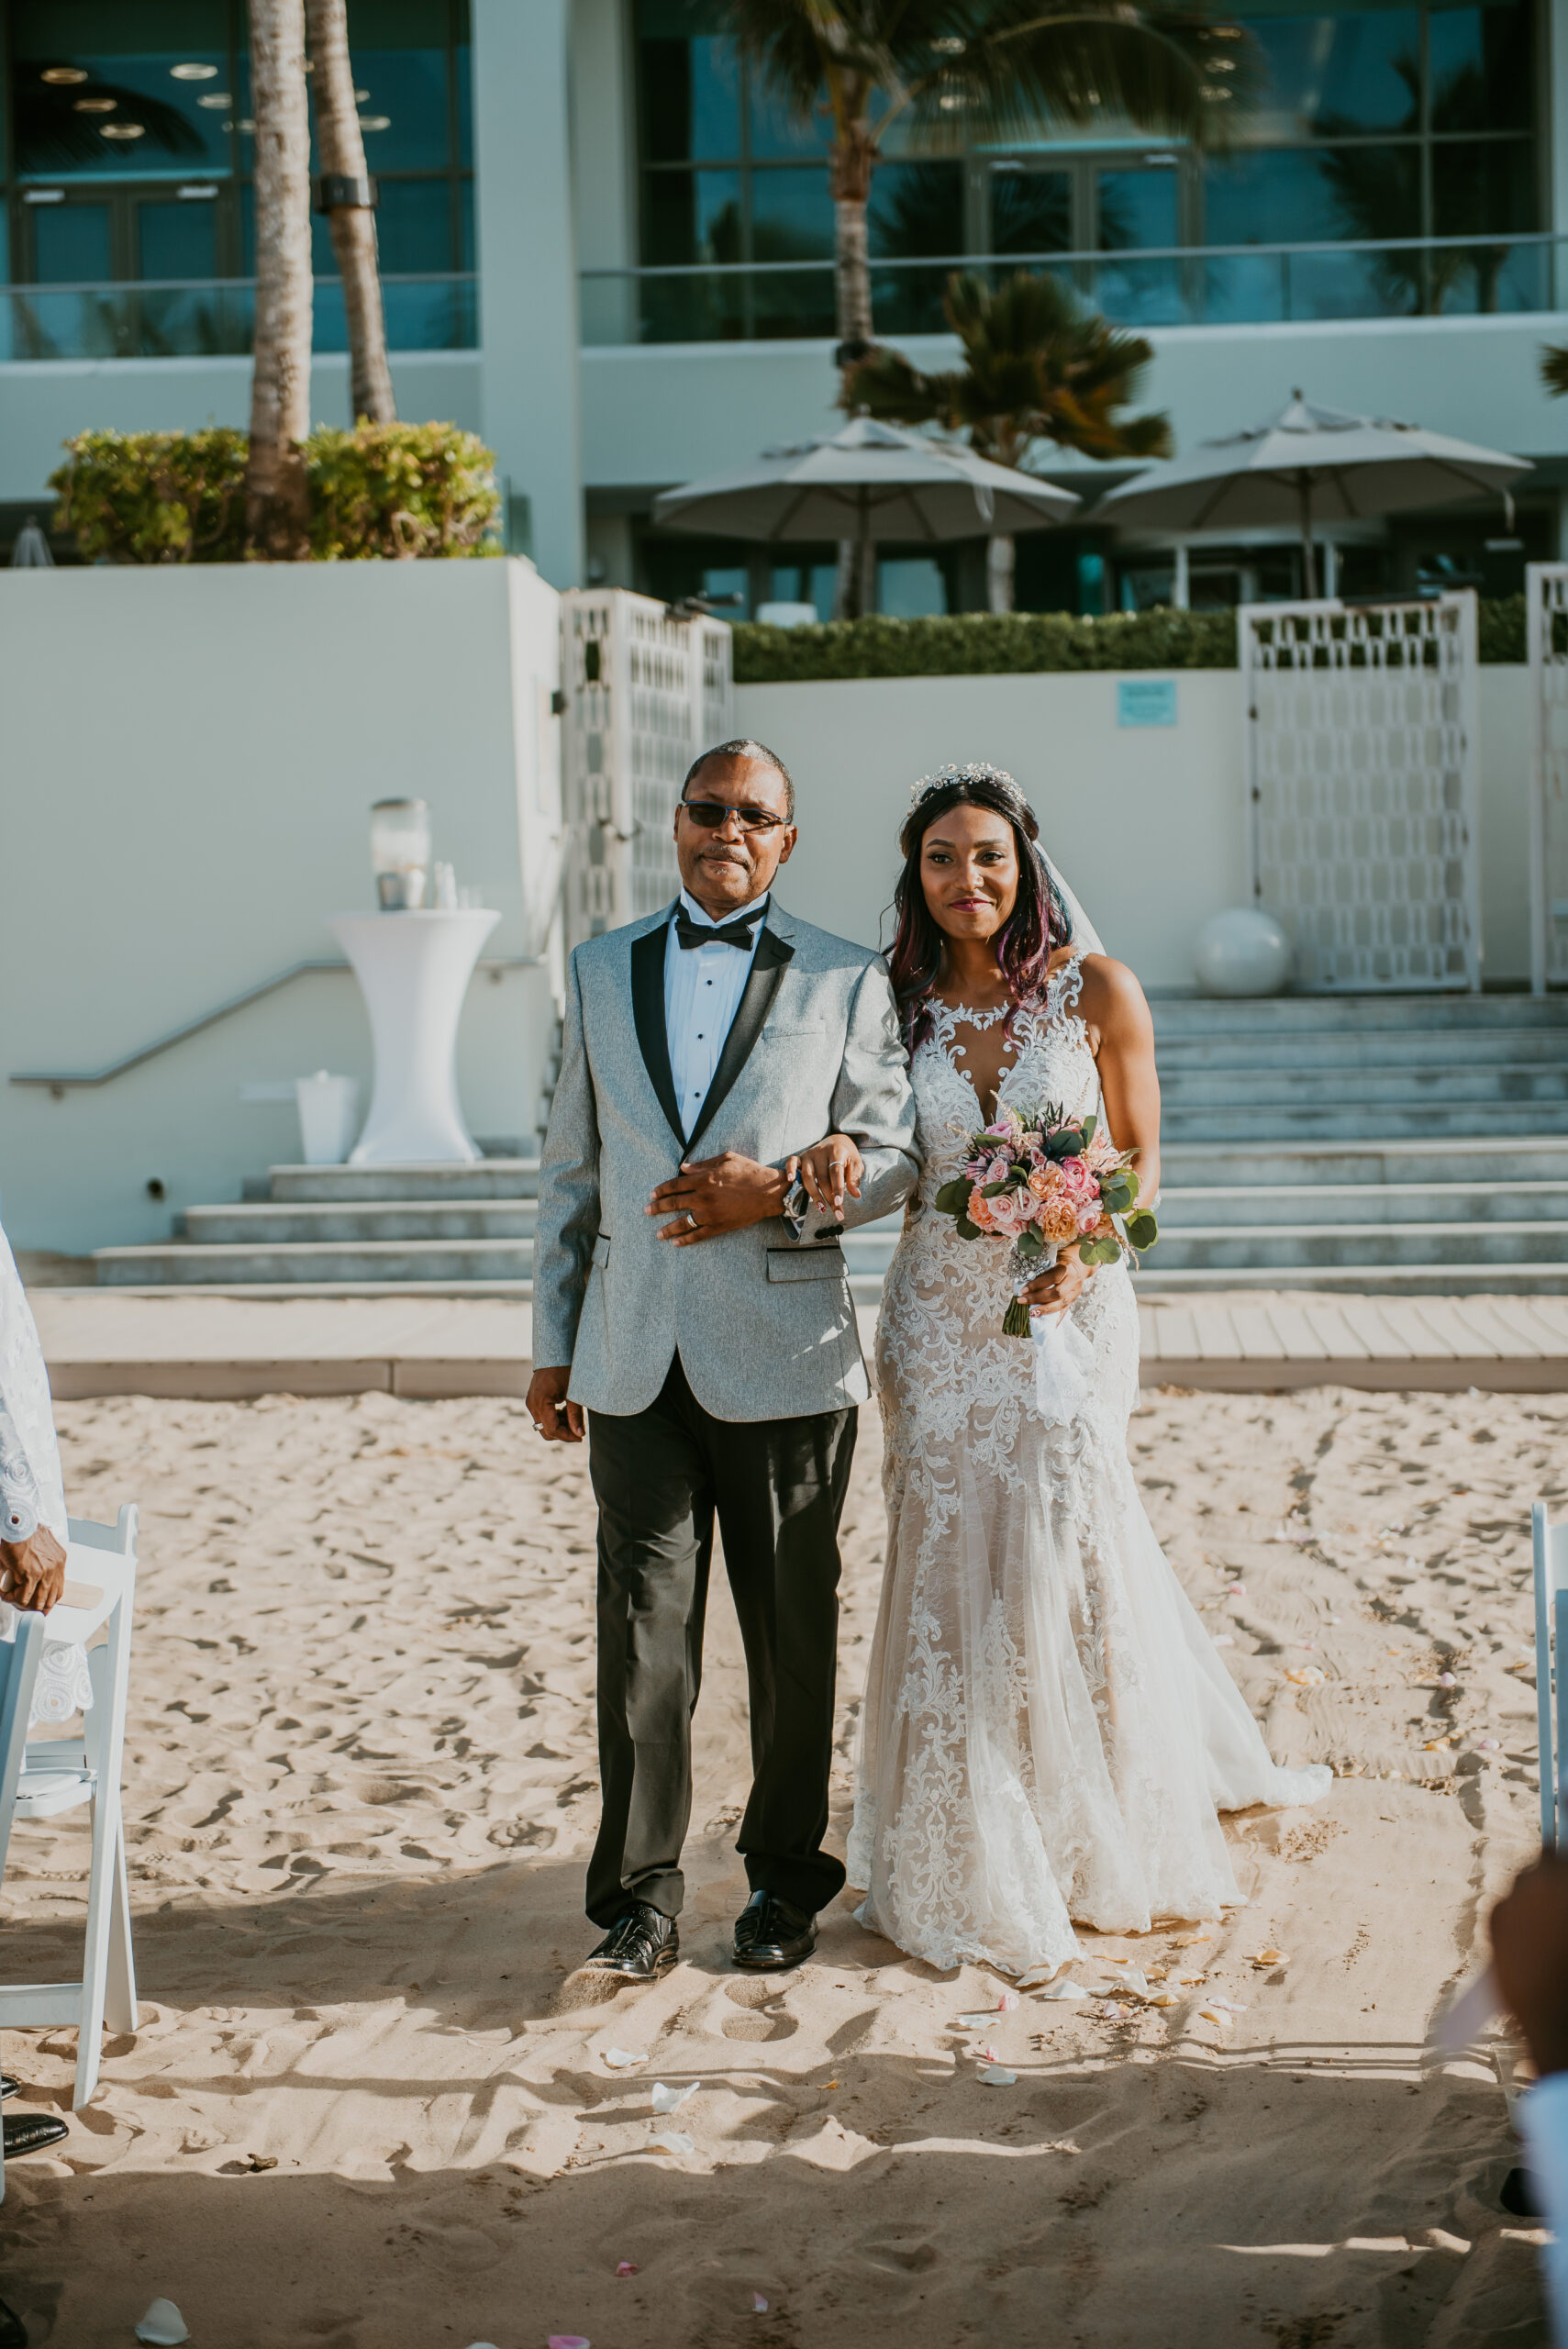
x: 1555, y: 370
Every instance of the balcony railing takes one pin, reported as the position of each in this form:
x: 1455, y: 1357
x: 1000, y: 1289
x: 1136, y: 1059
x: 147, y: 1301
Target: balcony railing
x: 1186, y: 285
x: 209, y: 317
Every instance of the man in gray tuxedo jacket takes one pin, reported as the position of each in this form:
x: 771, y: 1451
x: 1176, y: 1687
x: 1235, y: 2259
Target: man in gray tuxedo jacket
x: 695, y: 1303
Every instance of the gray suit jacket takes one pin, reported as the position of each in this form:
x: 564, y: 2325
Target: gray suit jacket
x: 764, y: 1323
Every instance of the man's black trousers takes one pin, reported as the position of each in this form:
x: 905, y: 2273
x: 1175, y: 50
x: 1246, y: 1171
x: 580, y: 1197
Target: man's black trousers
x: 777, y: 1487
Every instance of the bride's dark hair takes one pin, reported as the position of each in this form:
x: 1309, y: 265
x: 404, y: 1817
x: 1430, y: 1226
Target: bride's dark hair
x: 1038, y: 925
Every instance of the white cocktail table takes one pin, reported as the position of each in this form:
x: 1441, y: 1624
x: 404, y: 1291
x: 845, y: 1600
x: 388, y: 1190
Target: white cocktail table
x: 413, y: 970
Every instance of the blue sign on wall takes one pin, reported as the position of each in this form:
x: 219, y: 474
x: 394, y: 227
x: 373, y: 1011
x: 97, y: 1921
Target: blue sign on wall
x: 1146, y: 701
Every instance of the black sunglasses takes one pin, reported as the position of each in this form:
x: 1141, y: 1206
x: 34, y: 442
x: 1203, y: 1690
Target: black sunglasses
x: 711, y: 814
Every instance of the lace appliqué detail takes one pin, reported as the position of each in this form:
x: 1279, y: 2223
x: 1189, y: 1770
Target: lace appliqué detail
x: 1047, y: 1731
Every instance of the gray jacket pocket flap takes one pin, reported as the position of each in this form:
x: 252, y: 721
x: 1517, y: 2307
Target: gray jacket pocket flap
x: 601, y: 1248
x: 805, y: 1264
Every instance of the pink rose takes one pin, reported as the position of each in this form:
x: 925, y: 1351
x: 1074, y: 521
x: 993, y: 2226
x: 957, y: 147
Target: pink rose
x: 1078, y: 1181
x: 1089, y: 1215
x: 999, y: 1169
x: 1010, y: 1213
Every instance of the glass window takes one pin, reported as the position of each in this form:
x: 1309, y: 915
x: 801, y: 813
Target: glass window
x: 792, y: 215
x: 1031, y: 211
x: 177, y: 239
x: 775, y: 129
x: 399, y: 52
x: 414, y: 226
x: 1481, y: 68
x: 692, y: 217
x: 1354, y: 69
x: 1301, y: 195
x: 910, y: 587
x: 915, y: 209
x: 689, y: 81
x: 1483, y: 183
x: 104, y: 92
x: 70, y: 243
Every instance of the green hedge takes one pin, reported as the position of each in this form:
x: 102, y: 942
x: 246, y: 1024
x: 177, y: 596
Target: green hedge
x: 972, y: 644
x: 394, y: 490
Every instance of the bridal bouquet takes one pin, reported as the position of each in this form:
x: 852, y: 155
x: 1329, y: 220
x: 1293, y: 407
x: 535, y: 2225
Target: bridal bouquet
x: 1046, y: 1182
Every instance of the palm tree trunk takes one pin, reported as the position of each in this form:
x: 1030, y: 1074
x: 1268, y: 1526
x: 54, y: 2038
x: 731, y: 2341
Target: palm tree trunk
x: 346, y: 196
x: 999, y: 556
x: 855, y: 590
x: 277, y: 509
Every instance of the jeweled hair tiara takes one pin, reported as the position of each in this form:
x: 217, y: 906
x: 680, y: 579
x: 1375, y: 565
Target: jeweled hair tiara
x: 970, y: 770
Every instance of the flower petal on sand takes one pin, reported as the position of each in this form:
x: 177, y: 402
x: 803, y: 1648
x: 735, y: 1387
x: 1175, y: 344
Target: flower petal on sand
x: 997, y: 2076
x: 162, y: 2324
x: 668, y: 2099
x: 621, y: 2059
x: 1064, y: 1990
x: 671, y: 2141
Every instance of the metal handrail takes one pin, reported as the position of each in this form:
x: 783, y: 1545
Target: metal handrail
x: 59, y: 1082
x: 1110, y: 257
x: 223, y: 284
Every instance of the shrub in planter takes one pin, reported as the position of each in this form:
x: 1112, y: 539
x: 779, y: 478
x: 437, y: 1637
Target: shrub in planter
x: 154, y: 497
x: 398, y: 490
x: 997, y: 643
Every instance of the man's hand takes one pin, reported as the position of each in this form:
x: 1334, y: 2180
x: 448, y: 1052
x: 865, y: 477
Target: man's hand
x: 557, y: 1421
x: 1530, y: 1955
x: 32, y: 1572
x: 713, y: 1195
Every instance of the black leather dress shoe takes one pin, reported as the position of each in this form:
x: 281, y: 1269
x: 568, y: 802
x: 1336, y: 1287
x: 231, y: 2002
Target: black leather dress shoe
x: 30, y: 2132
x: 771, y: 1934
x: 13, y: 2331
x: 638, y: 1947
x: 8, y: 2087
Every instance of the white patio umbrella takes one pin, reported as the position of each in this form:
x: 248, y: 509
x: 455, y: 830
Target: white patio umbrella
x: 1308, y: 464
x: 866, y: 481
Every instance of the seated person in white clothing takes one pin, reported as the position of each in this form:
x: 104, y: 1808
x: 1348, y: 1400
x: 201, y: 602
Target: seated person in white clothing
x: 1529, y: 1956
x: 33, y: 1535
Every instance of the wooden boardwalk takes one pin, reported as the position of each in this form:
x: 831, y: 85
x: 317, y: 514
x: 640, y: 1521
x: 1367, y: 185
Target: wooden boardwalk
x: 109, y: 1341
x: 1252, y: 1339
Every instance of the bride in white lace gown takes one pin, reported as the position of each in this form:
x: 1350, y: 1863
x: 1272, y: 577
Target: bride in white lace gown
x: 1048, y: 1733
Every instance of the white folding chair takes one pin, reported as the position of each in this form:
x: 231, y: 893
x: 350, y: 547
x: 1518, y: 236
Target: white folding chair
x: 1550, y: 1653
x: 18, y: 1671
x: 62, y: 1774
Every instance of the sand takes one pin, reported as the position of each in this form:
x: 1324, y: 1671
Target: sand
x: 368, y: 2107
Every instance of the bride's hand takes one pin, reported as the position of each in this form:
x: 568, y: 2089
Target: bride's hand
x: 829, y: 1169
x: 1062, y: 1285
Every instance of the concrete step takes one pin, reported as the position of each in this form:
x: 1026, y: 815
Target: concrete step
x: 1384, y: 1280
x: 1227, y: 1129
x: 486, y: 1178
x: 1294, y: 1015
x: 1181, y: 1056
x: 1533, y: 1158
x: 1471, y: 1085
x: 338, y: 1263
x: 314, y: 1222
x: 1283, y: 1248
x: 1326, y: 1205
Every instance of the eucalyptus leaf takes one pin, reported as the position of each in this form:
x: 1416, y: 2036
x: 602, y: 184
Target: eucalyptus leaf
x: 1030, y: 1244
x: 967, y: 1230
x: 954, y: 1197
x: 1090, y: 1128
x: 1142, y: 1229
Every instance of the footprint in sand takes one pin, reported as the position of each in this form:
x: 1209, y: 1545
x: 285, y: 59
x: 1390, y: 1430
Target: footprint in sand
x: 754, y: 2021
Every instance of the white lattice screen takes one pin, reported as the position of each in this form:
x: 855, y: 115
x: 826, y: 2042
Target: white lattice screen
x: 1546, y: 605
x: 644, y: 693
x: 1362, y: 789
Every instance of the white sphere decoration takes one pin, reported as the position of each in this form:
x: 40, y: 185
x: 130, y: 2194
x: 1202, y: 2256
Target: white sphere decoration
x: 1242, y: 952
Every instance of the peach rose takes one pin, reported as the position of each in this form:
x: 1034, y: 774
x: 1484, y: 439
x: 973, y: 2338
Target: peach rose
x: 979, y: 1212
x: 1059, y: 1218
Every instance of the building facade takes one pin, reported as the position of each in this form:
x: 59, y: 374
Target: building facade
x: 609, y: 248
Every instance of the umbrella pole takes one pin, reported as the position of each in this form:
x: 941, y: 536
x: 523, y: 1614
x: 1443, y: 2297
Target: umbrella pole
x: 1308, y: 563
x: 867, y: 558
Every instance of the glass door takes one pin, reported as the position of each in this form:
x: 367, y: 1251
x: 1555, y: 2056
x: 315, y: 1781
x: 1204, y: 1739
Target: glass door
x: 1137, y: 208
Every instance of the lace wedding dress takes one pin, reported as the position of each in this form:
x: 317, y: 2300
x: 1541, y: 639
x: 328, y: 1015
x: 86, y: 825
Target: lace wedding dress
x: 1047, y: 1732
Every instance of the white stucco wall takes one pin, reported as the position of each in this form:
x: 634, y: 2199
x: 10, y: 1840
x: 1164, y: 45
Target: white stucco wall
x: 1146, y: 821
x: 190, y: 759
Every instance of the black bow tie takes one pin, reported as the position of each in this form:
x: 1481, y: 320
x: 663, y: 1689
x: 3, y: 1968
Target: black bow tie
x: 733, y: 933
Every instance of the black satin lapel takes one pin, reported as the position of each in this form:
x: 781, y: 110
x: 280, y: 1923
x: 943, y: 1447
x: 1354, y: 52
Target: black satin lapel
x: 768, y: 966
x: 647, y: 1011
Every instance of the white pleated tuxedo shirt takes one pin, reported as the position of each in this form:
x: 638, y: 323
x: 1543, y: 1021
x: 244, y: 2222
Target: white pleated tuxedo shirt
x: 703, y: 987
